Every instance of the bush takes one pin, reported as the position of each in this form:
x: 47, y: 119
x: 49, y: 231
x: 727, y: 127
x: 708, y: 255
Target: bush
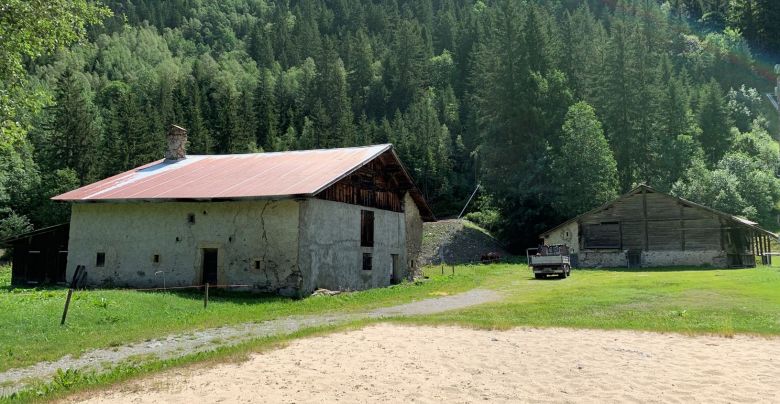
x: 488, y: 219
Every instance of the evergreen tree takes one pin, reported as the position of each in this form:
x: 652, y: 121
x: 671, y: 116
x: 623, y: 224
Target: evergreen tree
x: 266, y: 113
x: 715, y: 122
x: 619, y: 100
x: 584, y: 171
x: 74, y: 132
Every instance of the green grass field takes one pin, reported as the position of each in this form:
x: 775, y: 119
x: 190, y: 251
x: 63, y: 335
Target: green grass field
x: 30, y: 328
x: 720, y: 302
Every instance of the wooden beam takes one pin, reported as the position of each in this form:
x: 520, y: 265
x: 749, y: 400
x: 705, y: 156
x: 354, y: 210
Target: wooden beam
x: 753, y: 243
x: 682, y: 228
x: 769, y: 250
x: 766, y: 248
x: 644, y: 216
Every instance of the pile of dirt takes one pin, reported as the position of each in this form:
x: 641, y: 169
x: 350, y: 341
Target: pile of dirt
x: 457, y: 241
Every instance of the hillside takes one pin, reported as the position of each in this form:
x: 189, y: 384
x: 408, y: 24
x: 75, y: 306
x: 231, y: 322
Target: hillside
x: 554, y: 107
x: 461, y: 241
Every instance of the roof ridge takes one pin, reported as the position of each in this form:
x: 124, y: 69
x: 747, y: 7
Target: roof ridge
x: 379, y: 145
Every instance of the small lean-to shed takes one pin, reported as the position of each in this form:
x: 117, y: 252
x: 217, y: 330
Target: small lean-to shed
x: 286, y: 222
x: 647, y: 228
x: 40, y: 256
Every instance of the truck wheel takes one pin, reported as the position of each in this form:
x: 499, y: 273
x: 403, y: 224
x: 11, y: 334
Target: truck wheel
x: 539, y: 276
x: 564, y: 274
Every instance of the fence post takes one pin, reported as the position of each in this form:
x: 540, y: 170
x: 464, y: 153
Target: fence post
x: 73, y: 284
x: 67, y: 303
x: 206, y: 296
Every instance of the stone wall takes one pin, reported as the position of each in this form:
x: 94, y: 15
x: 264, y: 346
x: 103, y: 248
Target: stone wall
x: 601, y: 259
x: 257, y: 243
x: 568, y: 235
x: 330, y: 253
x: 684, y: 258
x: 617, y: 258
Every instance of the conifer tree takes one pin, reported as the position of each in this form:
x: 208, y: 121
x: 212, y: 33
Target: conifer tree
x: 74, y: 132
x: 715, y: 122
x: 584, y: 170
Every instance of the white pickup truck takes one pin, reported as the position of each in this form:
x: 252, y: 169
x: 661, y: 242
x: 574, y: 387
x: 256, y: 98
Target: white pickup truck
x: 549, y: 260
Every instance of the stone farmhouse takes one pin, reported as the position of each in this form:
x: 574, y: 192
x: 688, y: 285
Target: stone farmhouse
x: 647, y: 228
x: 286, y: 223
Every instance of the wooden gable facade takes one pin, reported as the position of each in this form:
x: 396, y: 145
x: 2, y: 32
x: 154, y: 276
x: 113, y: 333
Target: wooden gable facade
x: 381, y: 183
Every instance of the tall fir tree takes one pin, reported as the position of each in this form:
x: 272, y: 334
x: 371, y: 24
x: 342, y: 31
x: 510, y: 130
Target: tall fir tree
x: 74, y: 132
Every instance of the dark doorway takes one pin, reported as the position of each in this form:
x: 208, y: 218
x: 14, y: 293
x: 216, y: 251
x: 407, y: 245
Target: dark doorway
x: 396, y: 276
x: 62, y: 264
x: 210, y: 256
x: 36, y: 267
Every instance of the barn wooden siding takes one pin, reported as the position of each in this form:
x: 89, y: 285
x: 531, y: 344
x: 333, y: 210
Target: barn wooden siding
x: 40, y: 257
x: 653, y: 221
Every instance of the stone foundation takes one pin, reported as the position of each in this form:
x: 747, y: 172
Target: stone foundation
x: 617, y: 259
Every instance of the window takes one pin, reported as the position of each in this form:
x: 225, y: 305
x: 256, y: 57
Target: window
x: 156, y: 258
x: 191, y: 218
x: 602, y: 235
x: 257, y: 264
x: 367, y: 261
x: 100, y: 260
x: 366, y: 228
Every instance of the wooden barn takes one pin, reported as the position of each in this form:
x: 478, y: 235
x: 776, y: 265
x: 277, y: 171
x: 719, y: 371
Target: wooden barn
x: 648, y: 228
x: 40, y: 256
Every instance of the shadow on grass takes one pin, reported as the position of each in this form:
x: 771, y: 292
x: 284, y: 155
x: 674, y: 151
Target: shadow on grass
x: 216, y: 295
x: 221, y: 295
x: 9, y: 288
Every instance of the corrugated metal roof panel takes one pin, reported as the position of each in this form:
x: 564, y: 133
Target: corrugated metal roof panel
x: 234, y: 176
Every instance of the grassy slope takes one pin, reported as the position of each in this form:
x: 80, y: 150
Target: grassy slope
x: 30, y: 330
x: 692, y: 301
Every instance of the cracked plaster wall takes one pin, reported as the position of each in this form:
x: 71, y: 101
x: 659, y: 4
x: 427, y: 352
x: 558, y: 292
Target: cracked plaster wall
x: 330, y: 253
x: 130, y: 234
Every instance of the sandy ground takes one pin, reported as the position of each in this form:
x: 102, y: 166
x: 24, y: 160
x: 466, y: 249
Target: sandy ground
x: 392, y: 363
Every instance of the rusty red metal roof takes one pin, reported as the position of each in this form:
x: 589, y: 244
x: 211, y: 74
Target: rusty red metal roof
x: 230, y: 176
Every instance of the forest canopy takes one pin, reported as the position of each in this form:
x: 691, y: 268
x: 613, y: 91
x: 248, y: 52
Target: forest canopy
x: 554, y: 107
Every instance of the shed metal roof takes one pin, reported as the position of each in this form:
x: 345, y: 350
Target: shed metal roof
x: 234, y: 177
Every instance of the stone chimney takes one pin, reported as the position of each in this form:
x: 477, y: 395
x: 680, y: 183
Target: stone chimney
x: 177, y: 144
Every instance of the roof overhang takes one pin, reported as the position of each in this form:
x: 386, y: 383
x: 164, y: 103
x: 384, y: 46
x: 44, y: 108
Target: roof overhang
x: 376, y: 152
x: 10, y: 241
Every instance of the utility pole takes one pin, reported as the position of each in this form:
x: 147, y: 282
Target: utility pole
x: 774, y: 98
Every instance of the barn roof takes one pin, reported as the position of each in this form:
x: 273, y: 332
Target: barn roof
x: 9, y: 242
x: 645, y: 188
x: 276, y: 175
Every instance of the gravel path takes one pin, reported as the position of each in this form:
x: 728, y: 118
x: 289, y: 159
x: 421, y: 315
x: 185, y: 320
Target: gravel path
x: 184, y: 344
